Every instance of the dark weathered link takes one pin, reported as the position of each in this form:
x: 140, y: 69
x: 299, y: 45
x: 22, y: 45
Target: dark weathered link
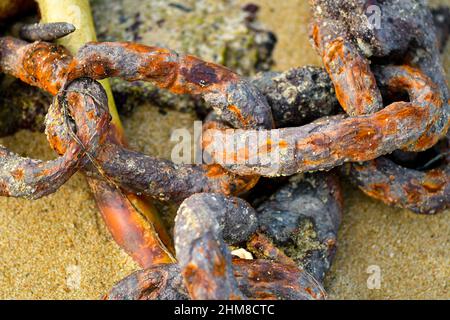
x: 234, y: 98
x: 303, y: 218
x: 203, y: 222
x: 159, y: 282
x: 425, y: 192
x: 258, y: 279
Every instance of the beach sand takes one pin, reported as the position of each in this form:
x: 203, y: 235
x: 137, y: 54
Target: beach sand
x: 59, y: 248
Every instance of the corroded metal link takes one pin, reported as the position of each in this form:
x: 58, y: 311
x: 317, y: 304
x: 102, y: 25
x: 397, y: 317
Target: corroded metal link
x: 425, y: 192
x: 45, y: 65
x: 163, y: 179
x: 234, y: 98
x: 258, y: 279
x: 348, y: 69
x: 328, y: 142
x: 405, y: 28
x: 39, y: 64
x: 28, y: 178
x: 203, y: 222
x: 378, y: 30
x: 159, y: 282
x: 206, y: 270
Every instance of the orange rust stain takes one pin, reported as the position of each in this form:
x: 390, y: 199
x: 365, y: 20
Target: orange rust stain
x: 214, y: 171
x: 219, y: 267
x: 378, y: 191
x: 237, y: 112
x: 59, y: 146
x: 98, y: 69
x: 91, y: 114
x: 413, y: 192
x: 18, y: 173
x: 283, y: 144
x: 316, y: 35
x: 435, y: 181
x: 140, y: 48
x: 311, y: 292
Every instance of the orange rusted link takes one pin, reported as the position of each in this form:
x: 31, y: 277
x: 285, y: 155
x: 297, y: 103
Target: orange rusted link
x: 24, y: 177
x: 162, y: 179
x: 45, y: 65
x: 400, y: 24
x: 130, y: 228
x: 258, y: 279
x: 203, y: 222
x: 421, y: 191
x: 39, y: 64
x: 354, y: 83
x: 328, y: 142
x: 345, y: 29
x: 234, y: 98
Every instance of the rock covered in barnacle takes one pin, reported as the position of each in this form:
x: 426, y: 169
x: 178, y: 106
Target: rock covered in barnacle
x: 220, y: 31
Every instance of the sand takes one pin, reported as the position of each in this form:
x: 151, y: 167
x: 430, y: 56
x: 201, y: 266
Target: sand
x: 59, y: 248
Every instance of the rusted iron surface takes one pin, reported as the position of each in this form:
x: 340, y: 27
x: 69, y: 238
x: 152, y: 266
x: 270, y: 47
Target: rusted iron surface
x: 45, y: 31
x: 297, y: 226
x: 164, y: 179
x: 234, y: 98
x: 374, y: 30
x: 332, y: 141
x: 406, y: 29
x: 45, y: 65
x: 258, y: 279
x: 28, y: 178
x: 159, y: 282
x: 347, y: 67
x: 303, y: 218
x: 203, y: 222
x: 39, y: 64
x: 267, y: 280
x: 425, y: 191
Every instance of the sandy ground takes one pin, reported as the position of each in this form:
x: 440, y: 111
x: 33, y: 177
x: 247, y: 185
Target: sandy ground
x: 58, y: 247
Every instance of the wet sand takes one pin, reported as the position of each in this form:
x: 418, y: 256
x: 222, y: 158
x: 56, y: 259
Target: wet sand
x: 59, y: 248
